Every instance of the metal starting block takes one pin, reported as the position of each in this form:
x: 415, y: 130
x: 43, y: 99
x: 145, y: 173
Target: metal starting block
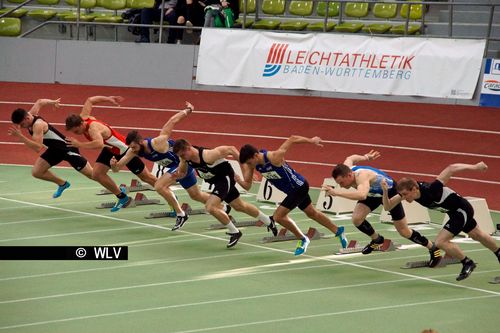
x: 253, y: 223
x: 285, y: 235
x: 185, y: 207
x: 496, y: 280
x: 354, y: 247
x: 446, y: 260
x: 135, y: 186
x: 139, y: 200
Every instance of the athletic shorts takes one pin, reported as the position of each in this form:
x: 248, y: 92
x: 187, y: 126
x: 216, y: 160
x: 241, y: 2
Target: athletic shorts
x: 187, y: 181
x: 55, y: 156
x: 298, y: 198
x: 461, y: 219
x: 225, y: 188
x: 397, y: 213
x: 135, y: 165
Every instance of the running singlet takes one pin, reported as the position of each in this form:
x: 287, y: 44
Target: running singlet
x: 211, y: 172
x: 439, y: 197
x: 376, y: 187
x: 168, y: 159
x: 115, y: 143
x: 52, y: 138
x: 284, y: 177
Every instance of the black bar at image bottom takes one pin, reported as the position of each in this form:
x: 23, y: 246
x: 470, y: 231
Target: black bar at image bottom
x: 63, y: 252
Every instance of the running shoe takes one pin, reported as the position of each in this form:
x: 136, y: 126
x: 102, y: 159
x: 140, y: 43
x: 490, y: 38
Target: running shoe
x: 373, y: 245
x: 435, y: 254
x: 272, y: 227
x: 60, y: 189
x: 467, y: 269
x: 122, y: 203
x: 179, y: 222
x: 341, y: 235
x: 235, y: 237
x: 302, y: 246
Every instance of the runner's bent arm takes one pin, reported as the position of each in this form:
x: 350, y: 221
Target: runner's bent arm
x: 355, y: 159
x: 389, y: 203
x: 39, y: 104
x: 277, y: 157
x: 169, y: 125
x: 451, y: 169
x: 91, y: 101
x: 116, y: 165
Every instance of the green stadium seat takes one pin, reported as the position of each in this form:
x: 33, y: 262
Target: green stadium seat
x: 48, y: 2
x: 18, y: 13
x: 83, y: 3
x: 16, y: 1
x: 10, y: 26
x: 353, y: 9
x: 71, y: 16
x: 270, y: 7
x: 251, y: 7
x: 416, y: 11
x: 42, y: 14
x: 382, y: 10
x: 112, y: 5
x: 139, y: 4
x: 412, y: 29
x: 333, y: 9
x: 298, y: 8
x: 319, y: 26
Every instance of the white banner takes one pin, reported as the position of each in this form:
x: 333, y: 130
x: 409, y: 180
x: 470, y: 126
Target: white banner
x: 430, y: 67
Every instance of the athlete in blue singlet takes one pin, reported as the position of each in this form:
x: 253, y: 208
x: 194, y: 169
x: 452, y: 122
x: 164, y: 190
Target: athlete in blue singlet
x: 367, y: 182
x: 273, y: 167
x: 435, y: 195
x: 44, y: 135
x: 159, y: 150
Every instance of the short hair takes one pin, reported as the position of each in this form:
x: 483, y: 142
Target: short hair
x: 133, y: 136
x: 72, y: 121
x: 18, y: 115
x: 247, y: 152
x: 406, y: 184
x: 341, y: 170
x: 180, y: 144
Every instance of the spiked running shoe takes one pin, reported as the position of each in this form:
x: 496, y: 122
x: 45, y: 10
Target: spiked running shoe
x: 122, y: 203
x: 435, y: 254
x: 235, y: 237
x: 272, y: 227
x: 373, y: 245
x: 467, y: 269
x: 179, y: 222
x: 302, y: 246
x: 60, y: 189
x: 341, y: 235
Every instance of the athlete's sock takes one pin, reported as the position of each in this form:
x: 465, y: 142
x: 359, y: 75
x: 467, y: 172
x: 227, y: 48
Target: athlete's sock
x: 417, y: 238
x: 497, y: 253
x: 121, y: 195
x: 232, y: 228
x: 366, y: 228
x: 264, y: 218
x: 182, y: 213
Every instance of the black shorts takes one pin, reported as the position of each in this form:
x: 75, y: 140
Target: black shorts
x: 397, y: 213
x: 225, y: 188
x: 55, y: 156
x: 135, y: 165
x: 298, y: 198
x: 461, y: 219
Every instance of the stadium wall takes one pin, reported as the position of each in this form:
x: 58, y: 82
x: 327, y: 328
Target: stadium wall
x: 135, y: 65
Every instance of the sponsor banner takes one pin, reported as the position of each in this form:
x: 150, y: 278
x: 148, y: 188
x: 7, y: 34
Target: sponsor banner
x: 490, y: 89
x: 430, y: 67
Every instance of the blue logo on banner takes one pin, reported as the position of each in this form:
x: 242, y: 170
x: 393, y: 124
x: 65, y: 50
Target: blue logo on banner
x: 490, y: 90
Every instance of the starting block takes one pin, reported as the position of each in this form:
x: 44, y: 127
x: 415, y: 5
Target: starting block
x: 285, y: 235
x: 254, y: 223
x: 446, y: 260
x: 496, y: 280
x: 354, y: 247
x: 135, y: 186
x: 139, y: 200
x: 185, y: 207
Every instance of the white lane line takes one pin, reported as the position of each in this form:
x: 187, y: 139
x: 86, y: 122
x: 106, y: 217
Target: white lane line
x: 267, y: 116
x: 271, y: 249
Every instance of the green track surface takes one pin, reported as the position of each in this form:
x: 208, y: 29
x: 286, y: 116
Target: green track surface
x: 187, y: 281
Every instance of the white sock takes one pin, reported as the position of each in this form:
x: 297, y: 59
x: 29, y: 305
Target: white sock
x: 264, y: 218
x: 232, y: 228
x: 182, y: 213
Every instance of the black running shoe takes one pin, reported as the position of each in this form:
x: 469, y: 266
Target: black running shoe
x: 234, y: 238
x: 272, y: 227
x: 467, y: 269
x: 373, y: 245
x: 435, y: 256
x: 179, y: 222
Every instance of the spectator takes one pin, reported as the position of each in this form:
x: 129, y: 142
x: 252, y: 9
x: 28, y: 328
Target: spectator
x: 148, y: 15
x: 218, y: 13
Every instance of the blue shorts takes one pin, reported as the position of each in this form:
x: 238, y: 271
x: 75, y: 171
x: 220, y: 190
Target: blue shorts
x: 189, y: 180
